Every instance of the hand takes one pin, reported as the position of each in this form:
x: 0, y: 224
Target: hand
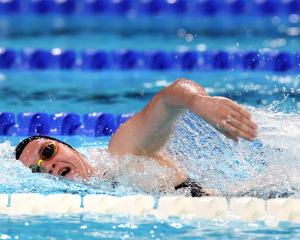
x: 226, y: 116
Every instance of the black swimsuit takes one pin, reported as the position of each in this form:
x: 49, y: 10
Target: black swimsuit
x: 194, y: 187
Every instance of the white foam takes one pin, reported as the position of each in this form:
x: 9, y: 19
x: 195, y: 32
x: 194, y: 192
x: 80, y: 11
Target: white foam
x: 268, y: 167
x: 263, y: 168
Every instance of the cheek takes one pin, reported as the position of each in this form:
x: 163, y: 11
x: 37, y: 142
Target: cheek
x: 28, y: 161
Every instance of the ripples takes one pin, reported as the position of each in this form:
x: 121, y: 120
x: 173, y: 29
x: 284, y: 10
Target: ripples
x: 288, y: 99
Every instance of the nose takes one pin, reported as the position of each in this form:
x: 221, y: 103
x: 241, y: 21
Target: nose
x: 51, y: 168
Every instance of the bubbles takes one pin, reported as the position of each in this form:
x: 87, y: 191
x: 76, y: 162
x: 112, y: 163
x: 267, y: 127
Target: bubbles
x: 130, y: 173
x: 208, y: 156
x: 114, y: 176
x: 267, y: 167
x: 15, y: 177
x: 2, y: 77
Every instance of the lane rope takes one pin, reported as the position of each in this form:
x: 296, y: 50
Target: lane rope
x: 270, y: 211
x: 100, y: 60
x: 60, y: 124
x: 151, y: 7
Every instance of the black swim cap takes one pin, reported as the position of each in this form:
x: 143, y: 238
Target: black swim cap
x: 20, y: 147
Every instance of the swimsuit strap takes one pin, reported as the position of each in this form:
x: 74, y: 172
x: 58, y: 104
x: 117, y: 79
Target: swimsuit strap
x: 195, y: 188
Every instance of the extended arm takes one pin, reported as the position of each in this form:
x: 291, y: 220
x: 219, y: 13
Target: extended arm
x: 146, y: 132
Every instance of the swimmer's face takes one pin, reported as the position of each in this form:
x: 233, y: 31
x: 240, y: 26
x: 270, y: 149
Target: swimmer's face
x: 55, y: 158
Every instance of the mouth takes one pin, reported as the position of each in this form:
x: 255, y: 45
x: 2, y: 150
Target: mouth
x: 63, y: 172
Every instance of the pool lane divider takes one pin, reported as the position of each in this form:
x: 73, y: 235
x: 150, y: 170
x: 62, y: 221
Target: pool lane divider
x: 129, y: 59
x: 60, y: 124
x: 132, y: 8
x: 245, y: 208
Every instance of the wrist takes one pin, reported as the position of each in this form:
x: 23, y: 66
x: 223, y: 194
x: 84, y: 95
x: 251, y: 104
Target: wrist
x: 198, y: 101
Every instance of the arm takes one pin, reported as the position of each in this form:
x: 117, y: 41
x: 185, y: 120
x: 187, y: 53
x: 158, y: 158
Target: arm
x: 147, y: 131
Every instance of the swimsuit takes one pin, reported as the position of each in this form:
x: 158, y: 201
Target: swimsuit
x: 194, y: 187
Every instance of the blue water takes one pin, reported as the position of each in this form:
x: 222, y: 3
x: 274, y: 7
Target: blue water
x: 271, y: 162
x: 272, y: 98
x: 177, y: 40
x: 124, y: 92
x: 108, y: 227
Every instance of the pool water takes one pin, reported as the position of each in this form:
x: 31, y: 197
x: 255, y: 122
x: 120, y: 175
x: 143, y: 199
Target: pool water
x: 267, y: 167
x: 125, y: 92
x: 110, y: 227
x: 177, y: 40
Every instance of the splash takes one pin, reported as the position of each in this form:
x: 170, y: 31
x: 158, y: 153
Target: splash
x: 112, y: 176
x: 15, y: 177
x: 130, y: 173
x: 267, y: 167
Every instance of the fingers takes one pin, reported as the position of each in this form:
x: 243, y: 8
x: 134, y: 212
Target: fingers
x: 240, y: 110
x: 243, y: 124
x: 239, y: 123
x: 238, y: 132
x: 244, y: 131
x: 234, y: 121
x: 241, y: 113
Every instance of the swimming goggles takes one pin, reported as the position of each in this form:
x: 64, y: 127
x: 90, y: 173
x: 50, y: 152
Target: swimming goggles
x: 47, y: 151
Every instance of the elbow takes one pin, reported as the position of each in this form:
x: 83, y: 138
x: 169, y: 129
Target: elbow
x: 182, y: 82
x: 188, y: 88
x: 182, y: 92
x: 189, y: 85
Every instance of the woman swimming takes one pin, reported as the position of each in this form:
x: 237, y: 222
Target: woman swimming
x: 145, y: 134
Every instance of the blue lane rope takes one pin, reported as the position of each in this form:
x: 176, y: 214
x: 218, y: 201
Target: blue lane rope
x: 97, y: 60
x: 151, y: 7
x: 60, y: 124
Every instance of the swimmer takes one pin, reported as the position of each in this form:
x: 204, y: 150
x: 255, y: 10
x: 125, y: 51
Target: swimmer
x: 145, y: 134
